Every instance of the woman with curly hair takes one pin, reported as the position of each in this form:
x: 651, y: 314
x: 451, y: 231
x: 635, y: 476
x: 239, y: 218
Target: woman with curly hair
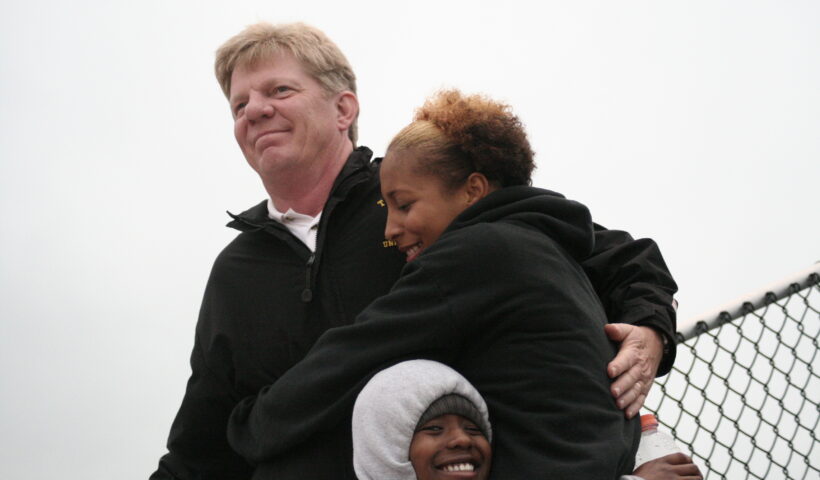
x: 493, y: 288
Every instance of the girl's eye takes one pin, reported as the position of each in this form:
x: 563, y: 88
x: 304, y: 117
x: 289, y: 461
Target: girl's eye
x: 404, y: 207
x: 430, y: 428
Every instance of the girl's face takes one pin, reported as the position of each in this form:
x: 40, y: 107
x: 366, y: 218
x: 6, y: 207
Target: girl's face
x: 450, y: 447
x: 419, y: 206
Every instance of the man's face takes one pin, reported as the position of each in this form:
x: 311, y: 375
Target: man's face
x: 283, y: 118
x: 450, y: 447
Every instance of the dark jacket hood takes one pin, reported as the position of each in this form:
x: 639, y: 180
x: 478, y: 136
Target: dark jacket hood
x: 567, y: 222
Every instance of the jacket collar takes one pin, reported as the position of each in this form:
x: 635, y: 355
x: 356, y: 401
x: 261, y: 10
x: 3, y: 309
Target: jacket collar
x: 353, y: 173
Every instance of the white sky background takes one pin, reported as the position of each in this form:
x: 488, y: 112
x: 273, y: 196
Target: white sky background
x: 694, y: 123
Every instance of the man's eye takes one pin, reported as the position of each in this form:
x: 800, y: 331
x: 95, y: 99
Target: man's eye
x: 404, y: 207
x: 281, y: 89
x: 430, y: 428
x: 238, y: 109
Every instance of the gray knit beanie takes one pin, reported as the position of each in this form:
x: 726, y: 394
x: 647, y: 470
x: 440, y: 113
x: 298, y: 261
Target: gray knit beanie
x: 455, y: 404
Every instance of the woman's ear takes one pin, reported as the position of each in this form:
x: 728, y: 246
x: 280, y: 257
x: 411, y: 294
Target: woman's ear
x: 476, y: 187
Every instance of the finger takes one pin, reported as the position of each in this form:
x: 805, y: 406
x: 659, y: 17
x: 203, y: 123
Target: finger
x: 635, y: 407
x: 646, y: 384
x: 629, y: 396
x: 616, y: 332
x: 688, y: 476
x: 687, y: 469
x: 677, y: 459
x: 625, y: 381
x: 623, y: 362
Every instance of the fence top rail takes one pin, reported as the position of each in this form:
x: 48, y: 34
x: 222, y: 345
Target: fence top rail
x: 757, y: 299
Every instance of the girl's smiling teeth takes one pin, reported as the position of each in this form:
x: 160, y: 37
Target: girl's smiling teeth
x: 459, y: 467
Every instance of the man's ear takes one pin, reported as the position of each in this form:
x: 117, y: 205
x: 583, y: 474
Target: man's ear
x: 476, y: 187
x: 347, y: 108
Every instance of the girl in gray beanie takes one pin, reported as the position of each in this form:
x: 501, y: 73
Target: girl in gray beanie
x: 396, y: 405
x: 402, y: 399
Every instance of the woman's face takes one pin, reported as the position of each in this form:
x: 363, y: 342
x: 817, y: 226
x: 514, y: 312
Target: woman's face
x: 450, y: 447
x: 419, y: 206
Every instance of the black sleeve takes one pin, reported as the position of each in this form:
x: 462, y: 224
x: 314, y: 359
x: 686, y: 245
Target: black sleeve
x: 197, y: 444
x: 319, y: 391
x: 634, y: 285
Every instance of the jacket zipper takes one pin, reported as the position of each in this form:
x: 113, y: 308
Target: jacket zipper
x: 352, y: 180
x: 307, y: 293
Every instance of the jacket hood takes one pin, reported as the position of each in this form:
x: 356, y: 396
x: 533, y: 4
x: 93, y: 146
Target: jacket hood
x: 567, y: 222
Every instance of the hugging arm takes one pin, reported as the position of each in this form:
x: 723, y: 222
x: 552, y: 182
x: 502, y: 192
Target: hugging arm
x: 319, y: 392
x: 636, y: 289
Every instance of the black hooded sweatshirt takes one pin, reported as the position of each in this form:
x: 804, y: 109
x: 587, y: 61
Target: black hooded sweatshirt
x: 502, y: 298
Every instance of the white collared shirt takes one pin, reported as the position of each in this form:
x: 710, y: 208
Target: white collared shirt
x: 303, y: 227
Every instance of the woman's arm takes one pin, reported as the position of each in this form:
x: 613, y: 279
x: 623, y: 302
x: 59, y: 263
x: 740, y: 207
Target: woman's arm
x: 319, y: 392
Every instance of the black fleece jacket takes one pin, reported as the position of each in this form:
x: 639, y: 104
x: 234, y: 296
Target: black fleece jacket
x: 502, y: 298
x: 268, y: 300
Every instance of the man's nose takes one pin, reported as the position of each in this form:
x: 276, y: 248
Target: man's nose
x: 258, y: 107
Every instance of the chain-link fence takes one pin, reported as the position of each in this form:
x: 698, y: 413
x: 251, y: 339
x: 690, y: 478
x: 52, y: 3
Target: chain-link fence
x: 743, y: 395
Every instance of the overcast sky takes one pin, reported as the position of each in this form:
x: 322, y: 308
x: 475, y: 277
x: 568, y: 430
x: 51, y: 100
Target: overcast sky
x: 695, y: 123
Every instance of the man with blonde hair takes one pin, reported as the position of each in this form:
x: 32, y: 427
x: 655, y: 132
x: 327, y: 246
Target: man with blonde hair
x: 312, y: 256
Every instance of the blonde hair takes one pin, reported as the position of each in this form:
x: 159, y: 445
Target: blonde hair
x: 454, y: 135
x: 320, y: 57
